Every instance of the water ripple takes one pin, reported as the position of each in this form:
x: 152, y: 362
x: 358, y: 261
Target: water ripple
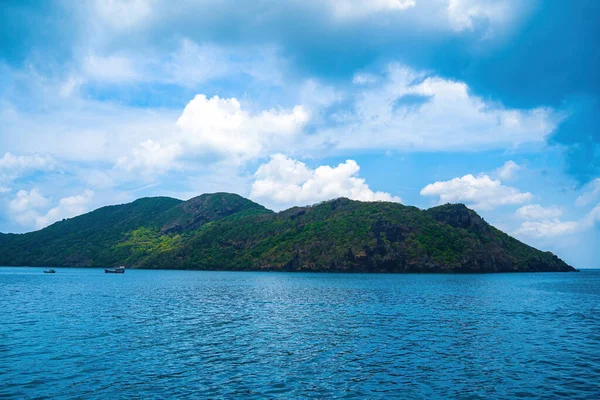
x: 160, y: 334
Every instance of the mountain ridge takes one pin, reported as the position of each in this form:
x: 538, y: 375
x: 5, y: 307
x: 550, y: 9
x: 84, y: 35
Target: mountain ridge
x: 224, y: 231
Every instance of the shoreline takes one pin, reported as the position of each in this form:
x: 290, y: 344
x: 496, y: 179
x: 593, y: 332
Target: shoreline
x: 311, y: 271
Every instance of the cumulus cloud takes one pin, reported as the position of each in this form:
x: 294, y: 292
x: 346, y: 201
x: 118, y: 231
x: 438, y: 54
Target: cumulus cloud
x: 220, y: 128
x: 547, y: 228
x: 508, y: 170
x: 545, y: 222
x: 68, y: 207
x: 25, y: 201
x: 538, y: 212
x: 285, y: 182
x: 367, y: 116
x: 410, y: 110
x: 28, y: 208
x: 481, y: 192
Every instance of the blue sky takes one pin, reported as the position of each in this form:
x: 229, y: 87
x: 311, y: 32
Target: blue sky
x: 494, y: 104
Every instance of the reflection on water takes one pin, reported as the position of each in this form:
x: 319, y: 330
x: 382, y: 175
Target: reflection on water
x: 81, y: 333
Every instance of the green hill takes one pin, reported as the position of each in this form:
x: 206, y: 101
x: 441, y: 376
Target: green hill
x: 224, y: 231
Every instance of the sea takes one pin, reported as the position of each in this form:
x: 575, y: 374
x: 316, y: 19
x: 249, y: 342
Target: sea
x: 81, y: 333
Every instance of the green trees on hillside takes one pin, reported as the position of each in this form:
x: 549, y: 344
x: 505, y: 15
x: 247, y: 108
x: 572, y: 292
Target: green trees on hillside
x: 226, y: 231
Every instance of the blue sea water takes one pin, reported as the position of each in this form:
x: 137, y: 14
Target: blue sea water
x: 163, y: 334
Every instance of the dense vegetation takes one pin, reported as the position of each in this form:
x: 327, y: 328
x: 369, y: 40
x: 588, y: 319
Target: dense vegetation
x: 227, y: 232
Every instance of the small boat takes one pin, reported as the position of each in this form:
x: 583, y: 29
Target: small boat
x: 49, y: 271
x: 118, y: 270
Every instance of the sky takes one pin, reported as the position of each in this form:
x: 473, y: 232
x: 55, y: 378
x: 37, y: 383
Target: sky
x: 490, y: 103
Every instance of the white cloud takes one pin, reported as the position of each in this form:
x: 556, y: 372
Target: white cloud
x: 25, y: 201
x: 286, y: 182
x: 591, y: 194
x: 463, y: 15
x: 364, y: 79
x: 538, y: 212
x: 359, y: 8
x: 192, y: 63
x: 187, y: 65
x: 544, y: 222
x: 96, y: 178
x: 315, y: 96
x: 70, y: 85
x: 508, y: 170
x: 220, y: 127
x: 450, y: 16
x: 14, y: 165
x: 27, y: 208
x: 479, y: 192
x: 150, y: 157
x: 413, y: 111
x: 123, y: 14
x: 67, y: 207
x: 75, y: 129
x: 112, y: 69
x: 102, y: 133
x: 593, y: 217
x: 547, y: 228
x: 78, y: 129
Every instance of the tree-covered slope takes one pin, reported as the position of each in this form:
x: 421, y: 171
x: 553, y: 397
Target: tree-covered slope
x: 198, y: 211
x: 99, y: 238
x: 225, y: 231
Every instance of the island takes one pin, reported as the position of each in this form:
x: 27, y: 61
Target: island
x: 224, y: 231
